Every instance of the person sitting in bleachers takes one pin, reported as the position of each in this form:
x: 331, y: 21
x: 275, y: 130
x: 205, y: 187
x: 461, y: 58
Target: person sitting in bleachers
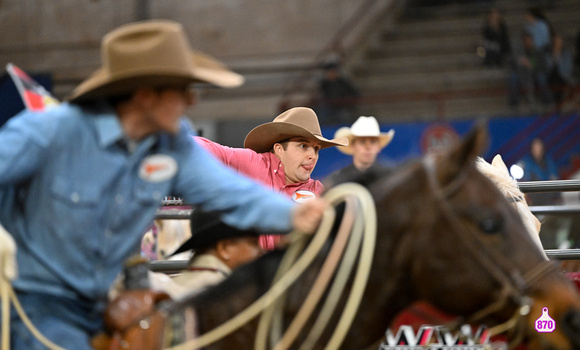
x: 496, y: 40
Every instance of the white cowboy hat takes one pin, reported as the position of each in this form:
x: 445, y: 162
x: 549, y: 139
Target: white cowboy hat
x: 297, y: 121
x: 364, y: 127
x: 151, y: 53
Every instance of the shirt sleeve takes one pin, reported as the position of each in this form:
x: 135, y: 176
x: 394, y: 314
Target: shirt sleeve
x: 23, y: 143
x: 202, y: 180
x: 241, y: 159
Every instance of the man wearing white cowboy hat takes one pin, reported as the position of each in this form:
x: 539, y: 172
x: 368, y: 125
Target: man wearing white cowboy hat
x: 280, y: 154
x: 81, y: 182
x: 365, y: 143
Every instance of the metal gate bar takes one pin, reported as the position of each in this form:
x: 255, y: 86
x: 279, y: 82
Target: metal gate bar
x: 550, y: 186
x: 175, y: 266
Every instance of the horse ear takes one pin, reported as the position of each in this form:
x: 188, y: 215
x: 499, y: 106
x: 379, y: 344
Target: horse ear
x: 499, y: 164
x: 464, y: 153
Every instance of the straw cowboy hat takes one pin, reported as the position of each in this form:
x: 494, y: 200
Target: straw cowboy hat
x: 298, y: 121
x: 207, y: 229
x: 364, y: 127
x: 151, y: 53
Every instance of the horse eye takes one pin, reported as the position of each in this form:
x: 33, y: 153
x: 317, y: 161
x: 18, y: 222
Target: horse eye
x: 490, y: 225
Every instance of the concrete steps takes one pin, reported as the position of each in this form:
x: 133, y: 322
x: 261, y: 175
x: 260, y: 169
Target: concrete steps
x: 427, y: 64
x: 430, y: 52
x: 437, y: 81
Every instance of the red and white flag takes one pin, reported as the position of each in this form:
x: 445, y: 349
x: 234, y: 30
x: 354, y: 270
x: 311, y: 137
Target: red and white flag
x: 34, y: 95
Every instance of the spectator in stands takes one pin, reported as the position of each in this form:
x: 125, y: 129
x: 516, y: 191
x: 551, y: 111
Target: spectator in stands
x: 496, y: 40
x: 338, y: 97
x: 281, y: 155
x: 538, y: 165
x: 560, y: 68
x: 539, y: 28
x: 218, y: 249
x: 528, y: 74
x: 80, y: 182
x: 366, y: 141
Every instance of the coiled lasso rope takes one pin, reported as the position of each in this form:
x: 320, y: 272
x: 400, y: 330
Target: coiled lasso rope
x: 293, y: 272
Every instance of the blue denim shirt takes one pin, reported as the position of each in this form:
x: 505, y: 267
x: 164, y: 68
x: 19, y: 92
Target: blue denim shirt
x: 77, y: 203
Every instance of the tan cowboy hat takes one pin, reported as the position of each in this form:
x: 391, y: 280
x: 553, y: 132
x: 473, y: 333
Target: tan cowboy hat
x: 298, y: 121
x: 364, y: 127
x: 151, y: 53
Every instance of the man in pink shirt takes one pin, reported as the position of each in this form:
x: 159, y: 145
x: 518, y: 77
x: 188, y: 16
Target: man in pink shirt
x: 281, y: 154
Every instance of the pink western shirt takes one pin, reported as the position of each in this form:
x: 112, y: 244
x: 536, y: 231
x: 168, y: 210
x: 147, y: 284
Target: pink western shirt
x: 265, y: 168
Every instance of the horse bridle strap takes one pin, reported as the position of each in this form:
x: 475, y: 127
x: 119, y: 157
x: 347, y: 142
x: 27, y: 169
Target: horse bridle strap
x: 514, y: 286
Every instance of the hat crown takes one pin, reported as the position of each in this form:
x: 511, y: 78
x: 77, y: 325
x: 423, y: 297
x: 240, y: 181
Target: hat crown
x: 295, y: 122
x: 151, y: 53
x: 155, y: 45
x: 303, y: 117
x: 365, y: 126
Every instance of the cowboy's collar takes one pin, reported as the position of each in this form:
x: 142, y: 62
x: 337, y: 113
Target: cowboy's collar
x: 110, y: 131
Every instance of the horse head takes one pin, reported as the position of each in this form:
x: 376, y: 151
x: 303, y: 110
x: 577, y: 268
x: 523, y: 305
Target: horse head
x: 455, y: 241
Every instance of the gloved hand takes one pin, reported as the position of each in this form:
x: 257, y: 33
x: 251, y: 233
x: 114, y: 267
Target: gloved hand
x: 8, y: 267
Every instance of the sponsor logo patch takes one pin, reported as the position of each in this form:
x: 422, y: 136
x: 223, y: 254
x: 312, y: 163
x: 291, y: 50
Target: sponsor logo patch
x: 157, y: 168
x: 302, y: 196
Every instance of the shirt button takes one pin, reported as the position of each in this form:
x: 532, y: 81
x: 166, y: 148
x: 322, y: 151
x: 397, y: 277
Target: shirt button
x: 119, y: 199
x: 75, y: 197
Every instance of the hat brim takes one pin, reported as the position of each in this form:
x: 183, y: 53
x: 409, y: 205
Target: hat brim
x: 205, y: 69
x: 263, y: 137
x: 384, y: 138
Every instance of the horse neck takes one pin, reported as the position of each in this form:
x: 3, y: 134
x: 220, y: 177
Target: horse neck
x: 389, y: 289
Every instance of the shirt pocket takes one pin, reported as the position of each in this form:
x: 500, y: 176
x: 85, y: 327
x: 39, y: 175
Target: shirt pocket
x: 150, y: 193
x: 75, y: 194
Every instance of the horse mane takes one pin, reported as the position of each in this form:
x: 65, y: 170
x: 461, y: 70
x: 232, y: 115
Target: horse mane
x: 507, y: 185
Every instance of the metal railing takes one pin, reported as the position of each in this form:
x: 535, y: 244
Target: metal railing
x: 175, y: 266
x: 550, y: 186
x: 526, y: 187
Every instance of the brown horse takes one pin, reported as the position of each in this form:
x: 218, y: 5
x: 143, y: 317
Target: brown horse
x: 445, y: 234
